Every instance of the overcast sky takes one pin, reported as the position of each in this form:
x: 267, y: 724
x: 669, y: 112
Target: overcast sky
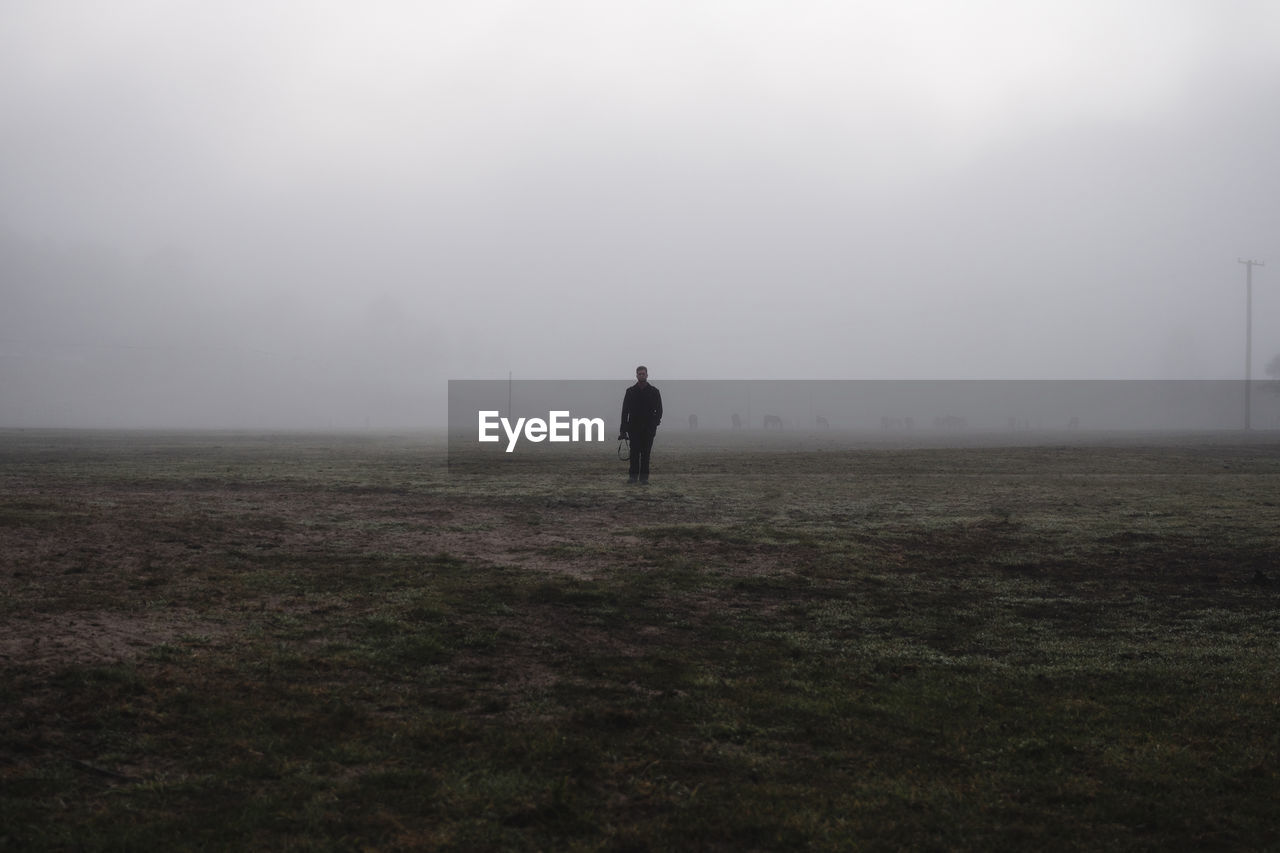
x: 315, y: 213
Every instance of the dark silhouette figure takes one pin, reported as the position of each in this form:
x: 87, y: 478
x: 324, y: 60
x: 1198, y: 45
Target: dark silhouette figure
x: 772, y: 422
x: 641, y: 414
x: 737, y: 421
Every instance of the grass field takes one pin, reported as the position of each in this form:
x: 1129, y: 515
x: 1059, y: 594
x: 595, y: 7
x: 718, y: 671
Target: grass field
x: 316, y: 642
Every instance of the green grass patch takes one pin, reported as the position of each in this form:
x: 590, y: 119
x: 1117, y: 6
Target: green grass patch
x: 332, y: 643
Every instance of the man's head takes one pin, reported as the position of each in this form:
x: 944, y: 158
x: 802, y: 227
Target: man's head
x: 642, y: 374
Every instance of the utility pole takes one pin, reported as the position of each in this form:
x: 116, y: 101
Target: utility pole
x: 1248, y: 336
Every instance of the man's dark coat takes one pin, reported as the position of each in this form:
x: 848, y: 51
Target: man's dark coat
x: 641, y: 409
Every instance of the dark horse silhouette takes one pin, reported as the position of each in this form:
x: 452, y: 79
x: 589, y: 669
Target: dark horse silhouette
x: 772, y: 422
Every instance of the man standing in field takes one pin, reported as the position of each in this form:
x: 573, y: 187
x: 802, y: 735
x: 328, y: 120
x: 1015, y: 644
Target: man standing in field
x: 641, y: 414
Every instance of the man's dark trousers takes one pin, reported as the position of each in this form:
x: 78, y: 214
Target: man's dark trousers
x: 641, y: 437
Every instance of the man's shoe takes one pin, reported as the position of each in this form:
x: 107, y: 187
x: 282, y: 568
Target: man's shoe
x: 645, y: 481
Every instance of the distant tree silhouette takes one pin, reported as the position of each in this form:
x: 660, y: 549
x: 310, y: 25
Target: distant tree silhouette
x: 1273, y: 370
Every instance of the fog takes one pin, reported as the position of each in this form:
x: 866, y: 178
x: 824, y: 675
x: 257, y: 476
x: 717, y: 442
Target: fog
x: 282, y: 215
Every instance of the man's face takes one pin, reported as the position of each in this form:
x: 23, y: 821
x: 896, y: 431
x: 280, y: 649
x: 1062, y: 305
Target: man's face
x: 642, y: 375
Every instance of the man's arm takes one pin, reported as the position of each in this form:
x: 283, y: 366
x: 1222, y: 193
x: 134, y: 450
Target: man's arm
x: 657, y: 407
x: 626, y: 415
